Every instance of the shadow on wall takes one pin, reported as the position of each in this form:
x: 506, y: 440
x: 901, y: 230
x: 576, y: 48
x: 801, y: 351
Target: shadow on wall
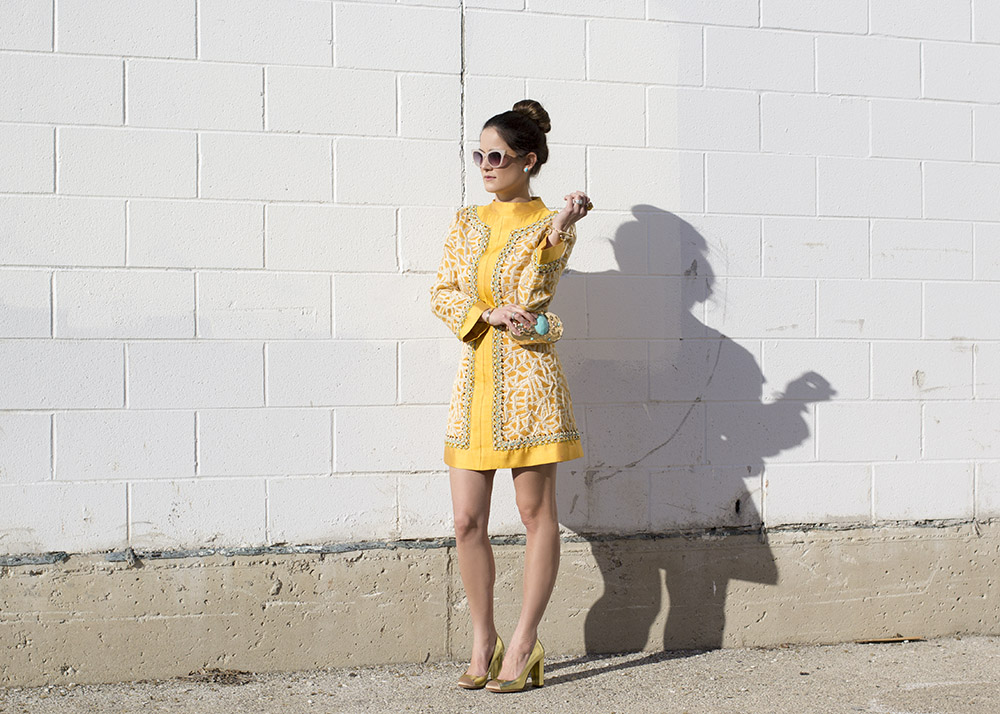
x: 684, y: 453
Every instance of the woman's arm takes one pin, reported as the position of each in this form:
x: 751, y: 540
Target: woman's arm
x: 536, y: 285
x: 458, y: 310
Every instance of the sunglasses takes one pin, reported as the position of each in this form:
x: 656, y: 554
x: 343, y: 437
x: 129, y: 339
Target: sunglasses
x: 496, y: 158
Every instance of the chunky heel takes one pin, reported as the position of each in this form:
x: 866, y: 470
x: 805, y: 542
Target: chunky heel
x: 468, y: 681
x: 538, y: 673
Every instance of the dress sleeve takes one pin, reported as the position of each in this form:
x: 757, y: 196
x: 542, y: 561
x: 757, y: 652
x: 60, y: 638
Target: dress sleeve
x: 537, y: 284
x: 458, y: 310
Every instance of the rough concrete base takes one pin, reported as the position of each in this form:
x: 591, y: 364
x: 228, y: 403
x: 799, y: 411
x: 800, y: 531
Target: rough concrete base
x: 91, y: 620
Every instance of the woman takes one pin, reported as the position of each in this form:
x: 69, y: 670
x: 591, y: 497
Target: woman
x: 510, y: 405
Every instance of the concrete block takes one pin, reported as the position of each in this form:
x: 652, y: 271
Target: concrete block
x: 955, y: 310
x: 706, y: 246
x: 888, y: 188
x: 961, y: 430
x: 26, y: 25
x: 263, y: 305
x: 745, y: 434
x: 264, y: 442
x: 200, y: 374
x: 186, y: 513
x: 331, y: 373
x: 813, y: 124
x: 844, y: 66
x: 758, y: 59
x: 985, y: 22
x: 265, y: 31
x: 703, y: 497
x: 102, y: 445
x: 921, y: 130
x: 370, y: 170
x: 790, y: 365
x: 126, y: 162
x: 922, y: 490
x: 331, y: 238
x: 430, y: 106
x: 73, y: 517
x: 123, y: 303
x: 119, y: 27
x: 735, y: 12
x: 341, y: 508
x: 844, y: 431
x: 193, y: 95
x: 640, y: 307
x: 56, y: 230
x: 986, y: 133
x: 405, y: 299
x: 326, y: 100
x: 606, y: 371
x: 988, y: 490
x: 850, y: 16
x: 620, y: 501
x: 814, y: 247
x: 409, y: 438
x: 615, y: 242
x: 413, y: 39
x: 561, y: 55
x: 869, y: 308
x: 961, y: 191
x: 427, y: 370
x: 620, y: 122
x: 594, y: 8
x: 817, y: 493
x: 755, y: 307
x: 496, y: 4
x: 675, y: 57
x: 922, y: 370
x: 760, y: 183
x: 25, y: 303
x: 27, y: 159
x: 986, y: 384
x: 622, y: 178
x: 196, y: 234
x: 716, y: 369
x: 948, y: 74
x: 949, y: 20
x: 486, y: 96
x: 58, y: 89
x: 711, y: 119
x: 422, y: 232
x: 565, y: 171
x: 61, y: 374
x: 921, y: 249
x: 25, y: 447
x: 645, y: 435
x: 265, y: 166
x: 986, y: 253
x: 425, y: 509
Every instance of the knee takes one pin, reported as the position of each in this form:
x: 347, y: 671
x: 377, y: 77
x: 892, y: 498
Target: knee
x: 537, y: 515
x: 470, y: 526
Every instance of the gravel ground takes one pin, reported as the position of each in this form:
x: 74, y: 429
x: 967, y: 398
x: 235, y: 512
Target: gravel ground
x: 948, y: 675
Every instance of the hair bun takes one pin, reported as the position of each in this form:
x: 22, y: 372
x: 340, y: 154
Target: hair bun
x: 534, y: 111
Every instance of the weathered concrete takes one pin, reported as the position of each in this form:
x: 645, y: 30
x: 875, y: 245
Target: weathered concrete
x: 88, y: 619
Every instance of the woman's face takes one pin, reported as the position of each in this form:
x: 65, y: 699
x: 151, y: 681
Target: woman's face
x: 511, y: 179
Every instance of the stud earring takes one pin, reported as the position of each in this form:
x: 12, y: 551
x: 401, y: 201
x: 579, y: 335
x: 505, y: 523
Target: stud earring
x: 525, y: 169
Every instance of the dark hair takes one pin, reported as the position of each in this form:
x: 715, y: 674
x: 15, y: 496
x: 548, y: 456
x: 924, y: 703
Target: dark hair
x: 523, y: 129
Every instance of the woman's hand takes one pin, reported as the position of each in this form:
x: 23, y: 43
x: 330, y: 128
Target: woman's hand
x: 513, y: 317
x: 572, y: 211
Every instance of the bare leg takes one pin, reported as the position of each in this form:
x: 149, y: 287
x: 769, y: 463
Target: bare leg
x: 470, y: 498
x: 535, y: 488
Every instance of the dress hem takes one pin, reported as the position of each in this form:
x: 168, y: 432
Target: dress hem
x: 529, y: 456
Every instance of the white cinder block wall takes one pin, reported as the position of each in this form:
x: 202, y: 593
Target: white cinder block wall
x: 219, y: 220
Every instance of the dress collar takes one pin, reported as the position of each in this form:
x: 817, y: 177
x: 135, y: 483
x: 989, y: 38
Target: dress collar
x: 518, y: 210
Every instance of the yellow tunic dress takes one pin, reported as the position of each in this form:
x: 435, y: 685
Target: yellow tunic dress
x: 510, y: 403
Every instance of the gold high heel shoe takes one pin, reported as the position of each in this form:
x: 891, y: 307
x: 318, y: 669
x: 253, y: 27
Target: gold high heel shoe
x: 467, y: 681
x: 535, y: 666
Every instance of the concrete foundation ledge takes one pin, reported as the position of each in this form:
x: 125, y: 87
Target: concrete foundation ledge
x: 127, y: 616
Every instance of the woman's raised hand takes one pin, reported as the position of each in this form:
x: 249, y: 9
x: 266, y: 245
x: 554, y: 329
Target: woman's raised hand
x: 577, y: 205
